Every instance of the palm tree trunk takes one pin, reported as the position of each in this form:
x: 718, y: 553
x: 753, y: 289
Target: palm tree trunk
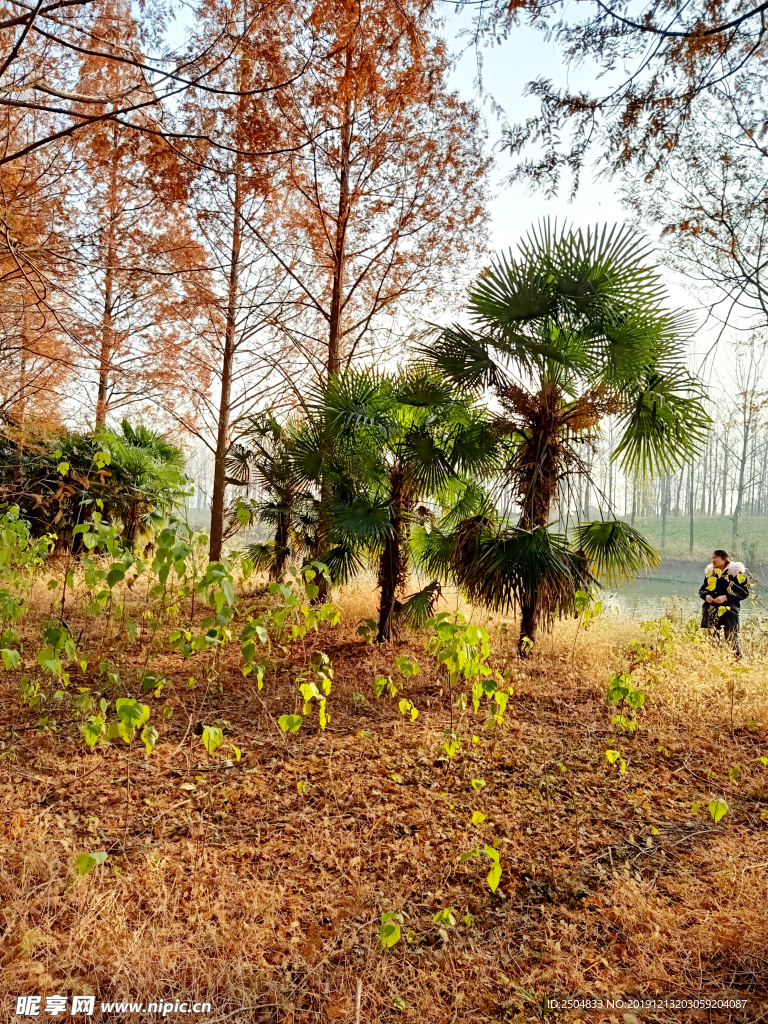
x: 281, y: 547
x: 392, y: 567
x: 528, y: 623
x: 539, y: 495
x: 388, y: 587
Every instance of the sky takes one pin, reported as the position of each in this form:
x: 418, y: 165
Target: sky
x: 506, y: 70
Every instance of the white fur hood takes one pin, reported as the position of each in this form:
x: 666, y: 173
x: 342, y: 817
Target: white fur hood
x: 733, y: 568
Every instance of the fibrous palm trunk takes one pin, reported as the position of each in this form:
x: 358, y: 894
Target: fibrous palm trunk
x: 393, y: 566
x: 538, y: 471
x: 281, y: 547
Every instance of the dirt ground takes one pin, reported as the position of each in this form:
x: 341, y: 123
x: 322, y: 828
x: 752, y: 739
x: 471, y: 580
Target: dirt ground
x: 258, y: 885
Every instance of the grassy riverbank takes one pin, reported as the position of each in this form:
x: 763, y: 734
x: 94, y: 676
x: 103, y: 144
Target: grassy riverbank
x: 710, y: 532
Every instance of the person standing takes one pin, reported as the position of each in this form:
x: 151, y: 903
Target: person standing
x: 725, y: 587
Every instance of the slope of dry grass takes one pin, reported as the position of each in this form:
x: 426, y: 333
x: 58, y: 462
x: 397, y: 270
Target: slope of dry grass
x: 233, y: 884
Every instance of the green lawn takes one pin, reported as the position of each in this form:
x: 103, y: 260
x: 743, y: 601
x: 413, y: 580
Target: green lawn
x: 709, y: 532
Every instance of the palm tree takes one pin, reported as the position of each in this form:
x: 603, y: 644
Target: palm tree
x: 56, y: 480
x: 391, y: 444
x: 264, y: 458
x: 147, y: 480
x: 571, y: 330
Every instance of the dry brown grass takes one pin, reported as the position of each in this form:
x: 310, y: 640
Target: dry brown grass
x: 266, y: 902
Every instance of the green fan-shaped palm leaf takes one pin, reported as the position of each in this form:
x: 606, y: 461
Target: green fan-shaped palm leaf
x: 433, y: 551
x: 597, y: 270
x: 343, y: 563
x: 464, y: 359
x: 616, y: 550
x: 665, y: 426
x: 307, y: 452
x: 511, y: 567
x: 238, y: 464
x: 418, y: 607
x: 362, y: 521
x: 510, y: 291
x: 152, y: 442
x: 476, y: 448
x: 357, y: 399
x: 426, y: 462
x: 419, y: 386
x: 262, y: 555
x: 462, y: 499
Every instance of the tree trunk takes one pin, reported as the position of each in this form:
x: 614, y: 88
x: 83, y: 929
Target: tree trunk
x: 102, y: 399
x: 679, y: 492
x: 610, y: 485
x: 740, y: 485
x: 23, y: 384
x: 703, y: 502
x: 392, y: 564
x: 107, y: 319
x: 712, y: 504
x: 690, y: 503
x: 725, y: 475
x: 335, y: 333
x: 541, y: 491
x: 664, y: 491
x: 222, y: 436
x: 281, y: 547
x: 527, y: 627
x: 634, y: 499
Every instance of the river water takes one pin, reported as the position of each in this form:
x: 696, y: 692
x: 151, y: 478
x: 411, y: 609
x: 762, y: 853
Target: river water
x: 673, y: 590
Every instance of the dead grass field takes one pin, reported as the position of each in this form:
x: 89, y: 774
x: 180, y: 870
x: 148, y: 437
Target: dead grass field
x: 228, y: 884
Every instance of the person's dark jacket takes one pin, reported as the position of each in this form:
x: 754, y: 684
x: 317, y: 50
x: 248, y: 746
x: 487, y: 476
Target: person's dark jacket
x: 730, y: 582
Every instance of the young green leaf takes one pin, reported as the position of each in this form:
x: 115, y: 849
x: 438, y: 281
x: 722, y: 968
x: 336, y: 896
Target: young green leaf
x: 494, y: 877
x: 212, y: 738
x: 11, y: 659
x: 131, y: 714
x: 290, y: 723
x: 389, y: 930
x: 86, y: 862
x: 93, y: 730
x: 718, y: 809
x: 149, y: 737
